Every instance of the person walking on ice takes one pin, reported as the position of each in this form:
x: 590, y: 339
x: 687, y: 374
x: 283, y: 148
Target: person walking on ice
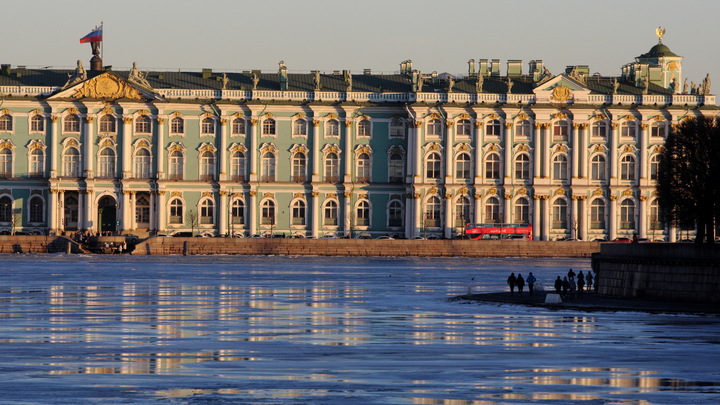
x: 531, y: 282
x: 511, y: 282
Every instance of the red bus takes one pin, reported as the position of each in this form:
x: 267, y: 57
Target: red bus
x: 498, y: 231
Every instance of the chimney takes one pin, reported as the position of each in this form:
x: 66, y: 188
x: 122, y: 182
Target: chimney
x: 483, y: 67
x: 495, y: 69
x: 514, y: 68
x: 471, y: 68
x: 206, y: 73
x: 536, y: 68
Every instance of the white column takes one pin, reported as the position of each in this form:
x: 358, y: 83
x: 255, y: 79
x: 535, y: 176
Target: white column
x: 253, y: 213
x: 546, y: 149
x: 411, y: 154
x: 478, y: 209
x: 537, y: 151
x: 536, y: 217
x: 418, y: 175
x: 612, y: 218
x: 161, y: 212
x: 478, y: 157
x: 222, y: 151
x: 347, y: 200
x: 252, y: 153
x: 54, y: 147
x: 89, y: 210
x: 419, y: 215
x: 125, y: 207
x: 672, y: 237
x: 315, y: 230
x: 348, y: 152
x: 546, y: 218
x: 642, y: 158
x: 613, y: 161
x: 576, y: 129
x: 61, y: 214
x: 160, y: 151
x: 88, y: 140
x: 409, y: 206
x: 448, y: 217
x: 584, y: 219
x: 575, y: 218
x: 642, y: 217
x: 153, y: 212
x: 315, y: 156
x: 507, y: 159
x: 52, y: 209
x: 449, y: 155
x: 126, y: 147
x: 223, y: 213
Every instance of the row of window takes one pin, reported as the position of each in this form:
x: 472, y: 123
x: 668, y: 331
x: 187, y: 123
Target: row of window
x: 434, y: 127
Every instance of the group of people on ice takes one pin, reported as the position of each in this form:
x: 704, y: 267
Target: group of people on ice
x: 568, y: 287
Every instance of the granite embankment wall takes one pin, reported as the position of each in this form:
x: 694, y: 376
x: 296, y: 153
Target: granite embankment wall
x: 667, y: 271
x: 37, y: 244
x: 364, y: 247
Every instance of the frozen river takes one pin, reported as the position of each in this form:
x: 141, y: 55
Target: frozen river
x: 278, y: 330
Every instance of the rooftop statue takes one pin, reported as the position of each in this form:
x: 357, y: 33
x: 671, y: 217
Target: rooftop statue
x: 137, y: 76
x: 79, y: 75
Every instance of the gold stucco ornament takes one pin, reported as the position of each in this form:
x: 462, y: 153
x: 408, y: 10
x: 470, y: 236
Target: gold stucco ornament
x: 561, y: 93
x: 108, y: 87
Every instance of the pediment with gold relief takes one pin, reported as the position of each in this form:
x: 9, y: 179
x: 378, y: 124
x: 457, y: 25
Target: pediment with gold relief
x: 106, y: 86
x: 562, y: 89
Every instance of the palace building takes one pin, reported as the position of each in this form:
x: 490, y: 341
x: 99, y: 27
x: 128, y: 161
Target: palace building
x: 573, y: 154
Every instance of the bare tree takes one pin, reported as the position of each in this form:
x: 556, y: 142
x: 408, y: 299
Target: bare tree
x: 16, y: 219
x: 192, y: 218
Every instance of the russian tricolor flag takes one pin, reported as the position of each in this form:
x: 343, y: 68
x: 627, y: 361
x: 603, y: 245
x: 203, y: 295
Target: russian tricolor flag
x: 94, y: 36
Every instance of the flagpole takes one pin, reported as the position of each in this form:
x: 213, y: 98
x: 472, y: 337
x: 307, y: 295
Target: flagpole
x: 102, y: 43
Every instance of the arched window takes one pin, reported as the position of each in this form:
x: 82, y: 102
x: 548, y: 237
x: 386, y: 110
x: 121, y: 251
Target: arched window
x: 177, y: 126
x: 143, y: 160
x: 268, y: 127
x: 492, y: 166
x: 6, y: 122
x: 462, y: 211
x: 107, y: 124
x: 71, y: 162
x: 627, y: 168
x: 71, y: 123
x: 37, y: 163
x: 396, y: 168
x: 433, y: 212
x: 522, y: 167
x: 492, y: 210
x: 332, y: 128
x: 559, y: 212
x: 560, y: 167
x: 106, y: 163
x: 463, y: 128
x: 176, y: 211
x: 238, y: 127
x: 237, y: 212
x: 434, y: 127
x: 267, y: 167
x: 522, y: 211
x: 299, y: 168
x: 6, y: 207
x: 561, y: 129
x: 207, y: 166
x: 628, y: 129
x: 364, y: 128
x: 627, y: 214
x: 237, y: 166
x: 300, y: 127
x: 463, y: 166
x: 298, y: 212
x: 658, y: 129
x: 6, y: 162
x: 598, y: 168
x: 523, y: 128
x: 597, y: 214
x: 143, y: 124
x: 176, y: 165
x: 207, y: 211
x: 599, y: 129
x: 362, y: 172
x: 330, y: 212
x: 37, y: 210
x: 395, y: 213
x: 37, y: 123
x: 142, y: 210
x: 433, y: 166
x: 267, y: 212
x: 654, y: 166
x: 493, y: 127
x: 397, y: 128
x: 655, y: 219
x: 207, y: 126
x: 332, y: 168
x: 362, y: 213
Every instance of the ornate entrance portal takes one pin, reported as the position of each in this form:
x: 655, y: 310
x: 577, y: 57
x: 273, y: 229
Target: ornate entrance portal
x: 107, y: 214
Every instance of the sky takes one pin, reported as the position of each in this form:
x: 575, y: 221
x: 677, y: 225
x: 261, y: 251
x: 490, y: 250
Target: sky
x: 238, y: 35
